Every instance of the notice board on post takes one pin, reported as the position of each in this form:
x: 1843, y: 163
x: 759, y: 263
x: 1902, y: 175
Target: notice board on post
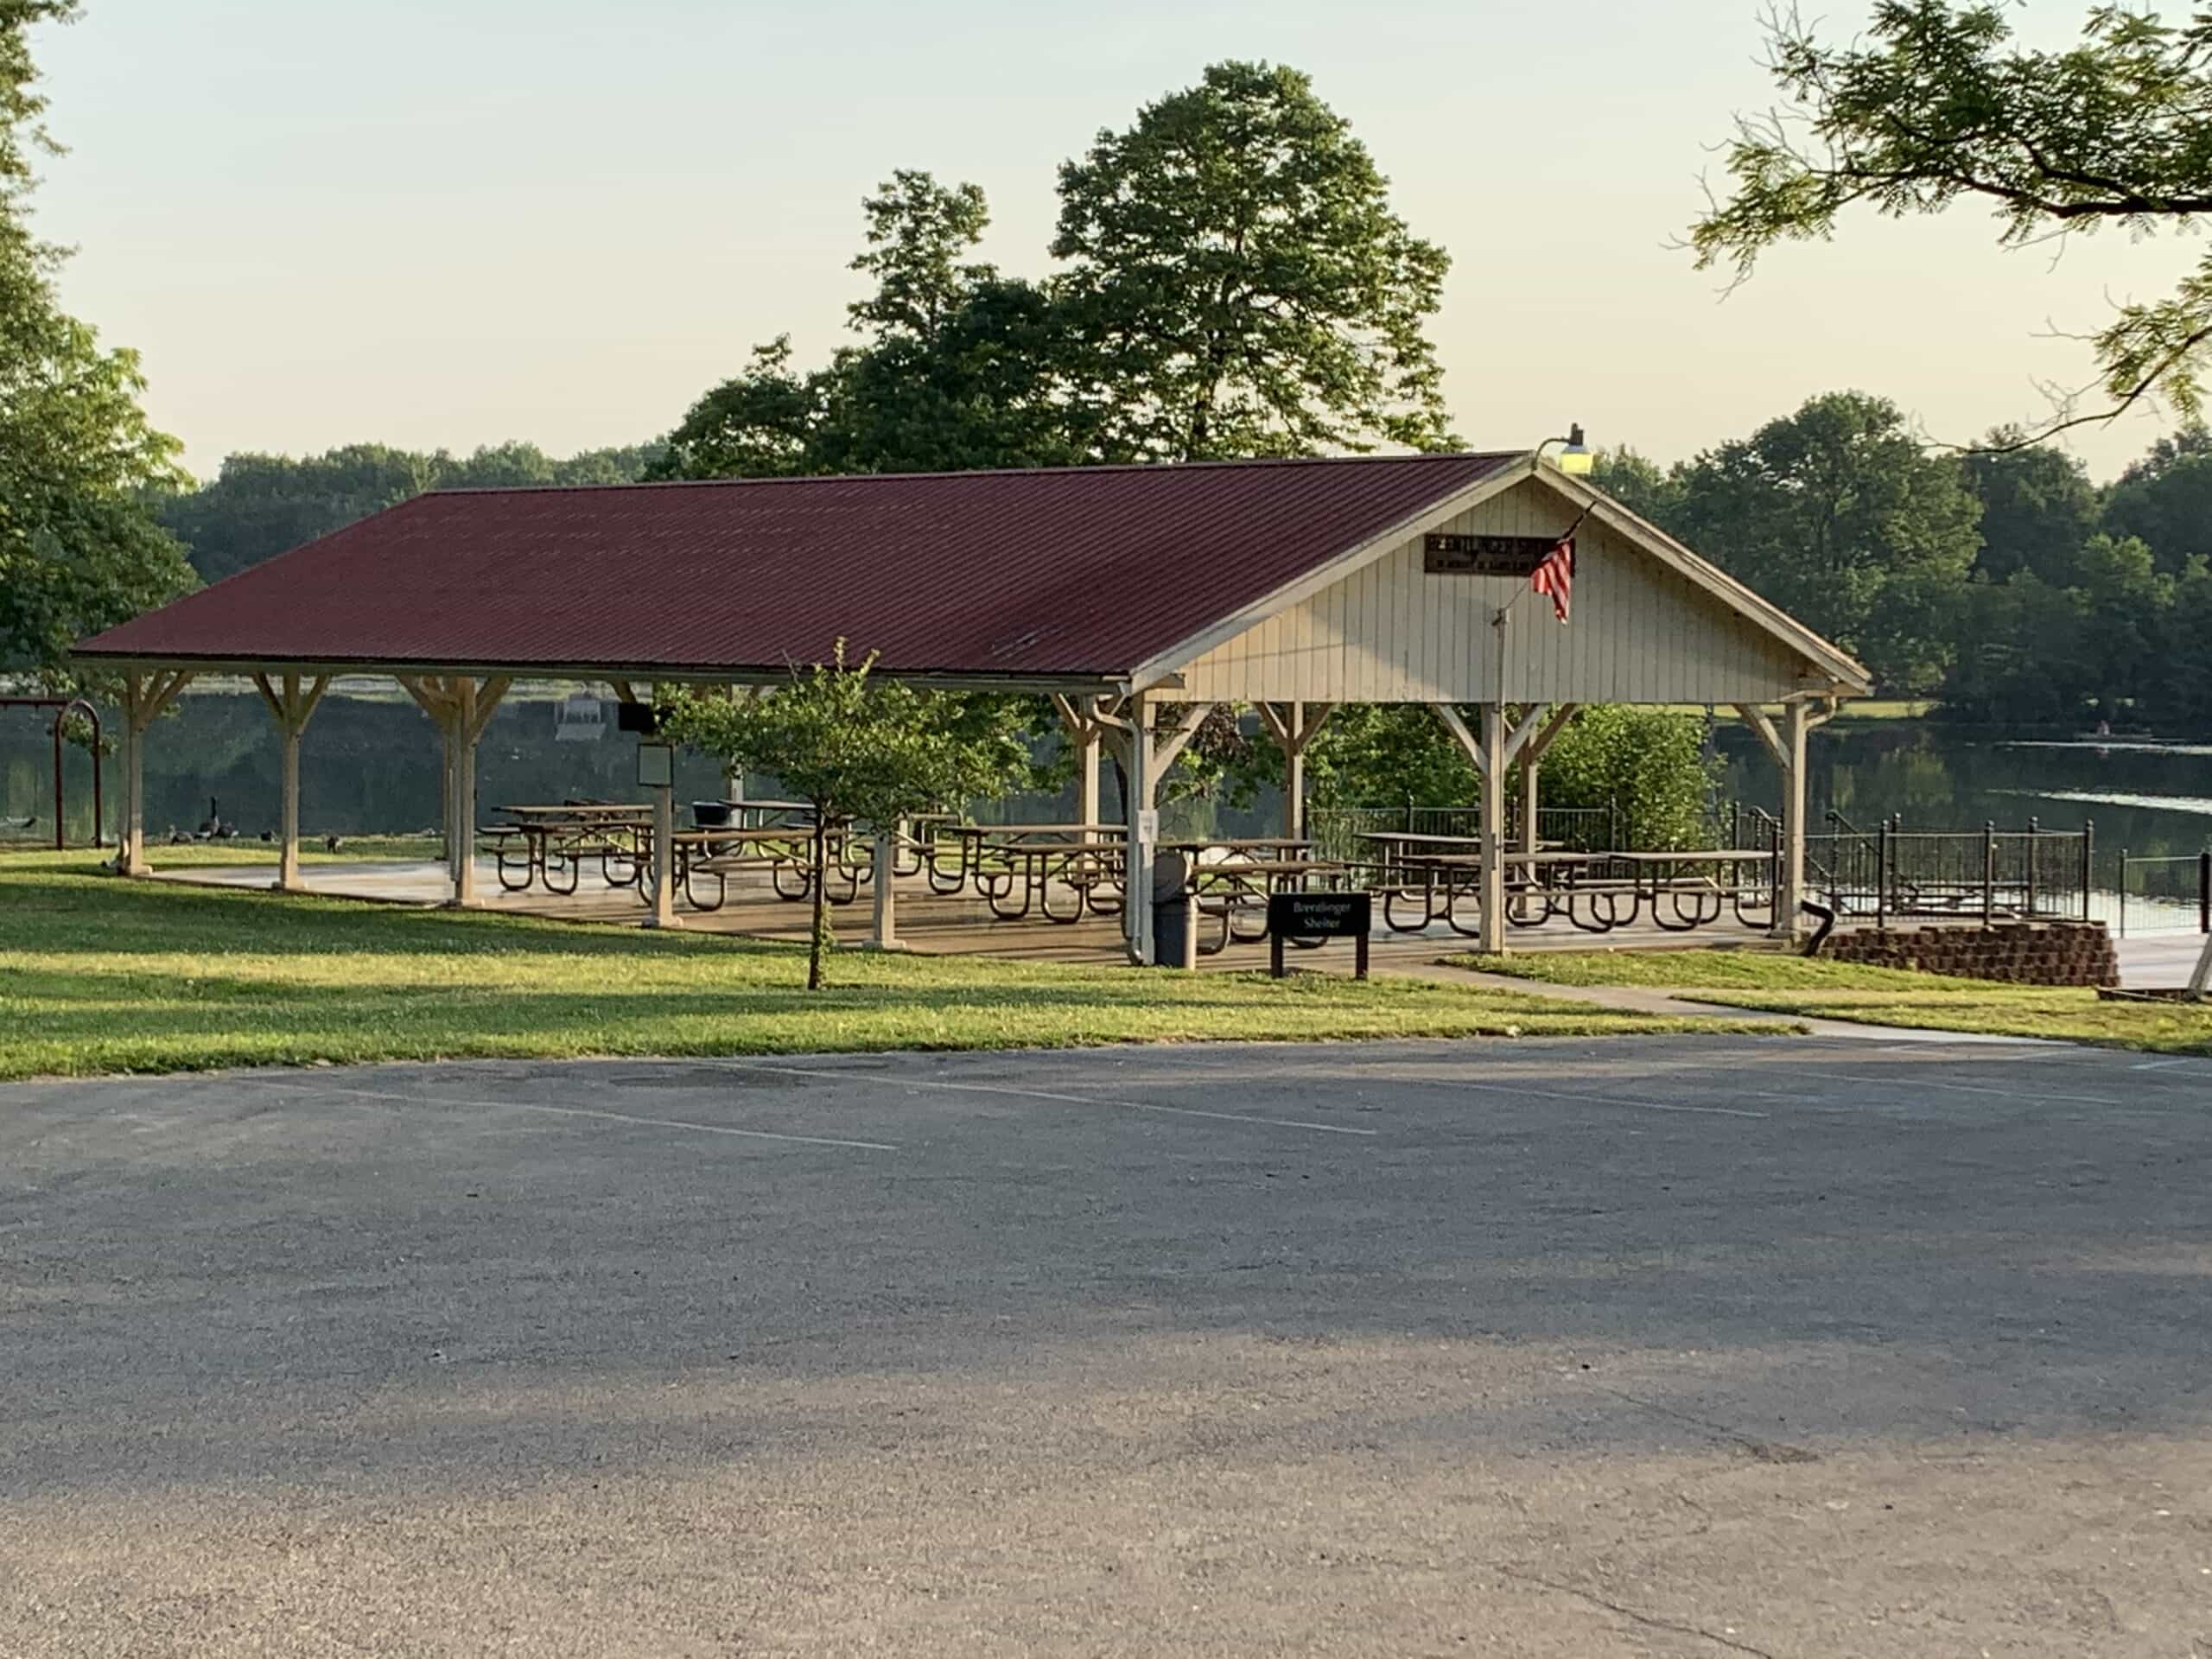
x: 1307, y: 919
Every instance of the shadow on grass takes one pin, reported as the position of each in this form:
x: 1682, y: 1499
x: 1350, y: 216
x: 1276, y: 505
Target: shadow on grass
x: 108, y: 915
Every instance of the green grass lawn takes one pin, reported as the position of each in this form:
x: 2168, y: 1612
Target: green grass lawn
x: 1879, y: 996
x: 100, y: 975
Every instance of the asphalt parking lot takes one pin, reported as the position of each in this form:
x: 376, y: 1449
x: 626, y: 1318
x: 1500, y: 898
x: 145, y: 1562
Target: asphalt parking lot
x: 1692, y: 1346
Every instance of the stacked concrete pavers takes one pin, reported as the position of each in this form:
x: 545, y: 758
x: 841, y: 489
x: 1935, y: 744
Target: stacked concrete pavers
x: 2023, y: 953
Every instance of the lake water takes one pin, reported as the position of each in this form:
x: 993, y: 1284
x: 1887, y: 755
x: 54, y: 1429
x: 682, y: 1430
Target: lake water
x: 371, y: 764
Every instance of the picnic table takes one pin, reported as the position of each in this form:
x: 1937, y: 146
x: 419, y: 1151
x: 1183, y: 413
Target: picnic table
x: 1690, y: 883
x: 1595, y: 892
x: 785, y: 851
x: 1006, y: 861
x: 1232, y: 888
x: 1215, y: 850
x: 555, y: 839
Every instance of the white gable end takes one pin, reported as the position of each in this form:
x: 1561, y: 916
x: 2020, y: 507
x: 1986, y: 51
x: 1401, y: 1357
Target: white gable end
x: 1389, y: 632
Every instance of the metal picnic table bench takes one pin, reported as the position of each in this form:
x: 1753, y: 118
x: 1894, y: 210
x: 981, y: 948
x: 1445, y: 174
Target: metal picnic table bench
x: 1595, y: 892
x: 999, y: 860
x: 785, y: 851
x: 1240, y: 882
x: 556, y: 839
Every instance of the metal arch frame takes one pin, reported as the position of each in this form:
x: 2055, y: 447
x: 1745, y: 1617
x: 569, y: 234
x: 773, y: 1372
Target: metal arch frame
x: 61, y: 706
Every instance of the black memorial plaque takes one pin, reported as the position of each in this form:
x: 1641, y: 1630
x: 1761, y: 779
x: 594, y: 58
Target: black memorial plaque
x: 1484, y: 556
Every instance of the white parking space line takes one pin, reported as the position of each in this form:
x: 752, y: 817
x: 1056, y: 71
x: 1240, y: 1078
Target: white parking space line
x: 1595, y: 1100
x: 891, y: 1082
x: 1972, y: 1088
x: 572, y: 1111
x: 1315, y: 1074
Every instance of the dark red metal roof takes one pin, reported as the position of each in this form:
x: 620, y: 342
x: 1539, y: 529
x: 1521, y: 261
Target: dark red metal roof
x: 1087, y: 571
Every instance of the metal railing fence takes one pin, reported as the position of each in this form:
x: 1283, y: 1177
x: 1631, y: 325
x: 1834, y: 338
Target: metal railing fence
x: 1336, y: 830
x: 1987, y: 875
x: 2171, y: 893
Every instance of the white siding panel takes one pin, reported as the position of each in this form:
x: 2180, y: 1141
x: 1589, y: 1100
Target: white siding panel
x: 1391, y: 633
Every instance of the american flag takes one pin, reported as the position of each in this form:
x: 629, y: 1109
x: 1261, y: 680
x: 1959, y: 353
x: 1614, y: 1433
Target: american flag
x: 1555, y: 576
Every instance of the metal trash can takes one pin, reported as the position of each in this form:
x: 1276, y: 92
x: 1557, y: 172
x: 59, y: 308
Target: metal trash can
x: 712, y: 815
x: 1174, y: 911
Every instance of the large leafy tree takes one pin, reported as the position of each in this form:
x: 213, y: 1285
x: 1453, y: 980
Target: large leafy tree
x: 960, y: 366
x: 1642, y: 486
x: 260, y: 506
x: 2165, y: 498
x: 760, y: 422
x: 2038, y: 508
x: 1936, y: 103
x: 1240, y: 283
x: 1234, y: 283
x: 1839, y: 517
x: 2060, y: 649
x: 78, y: 552
x: 956, y: 366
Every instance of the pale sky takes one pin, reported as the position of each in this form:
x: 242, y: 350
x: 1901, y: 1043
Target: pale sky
x: 453, y: 222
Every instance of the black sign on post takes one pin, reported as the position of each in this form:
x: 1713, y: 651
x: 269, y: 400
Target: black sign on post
x: 1483, y: 556
x: 1307, y: 919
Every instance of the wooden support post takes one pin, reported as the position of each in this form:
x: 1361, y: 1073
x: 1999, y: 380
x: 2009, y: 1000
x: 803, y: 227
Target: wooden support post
x: 131, y: 816
x: 292, y: 706
x: 664, y: 857
x: 449, y: 818
x: 461, y: 709
x: 1493, y: 829
x: 1789, y: 875
x: 884, y: 935
x: 1293, y: 727
x: 1143, y: 830
x: 1088, y: 722
x: 1087, y: 748
x: 1530, y: 757
x: 288, y: 831
x: 1527, y: 765
x: 145, y: 695
x: 460, y: 834
x: 1287, y: 727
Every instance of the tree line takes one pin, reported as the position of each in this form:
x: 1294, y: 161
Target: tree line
x: 2001, y: 582
x: 259, y: 505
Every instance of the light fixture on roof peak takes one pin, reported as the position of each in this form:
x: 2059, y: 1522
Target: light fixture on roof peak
x: 1577, y: 459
